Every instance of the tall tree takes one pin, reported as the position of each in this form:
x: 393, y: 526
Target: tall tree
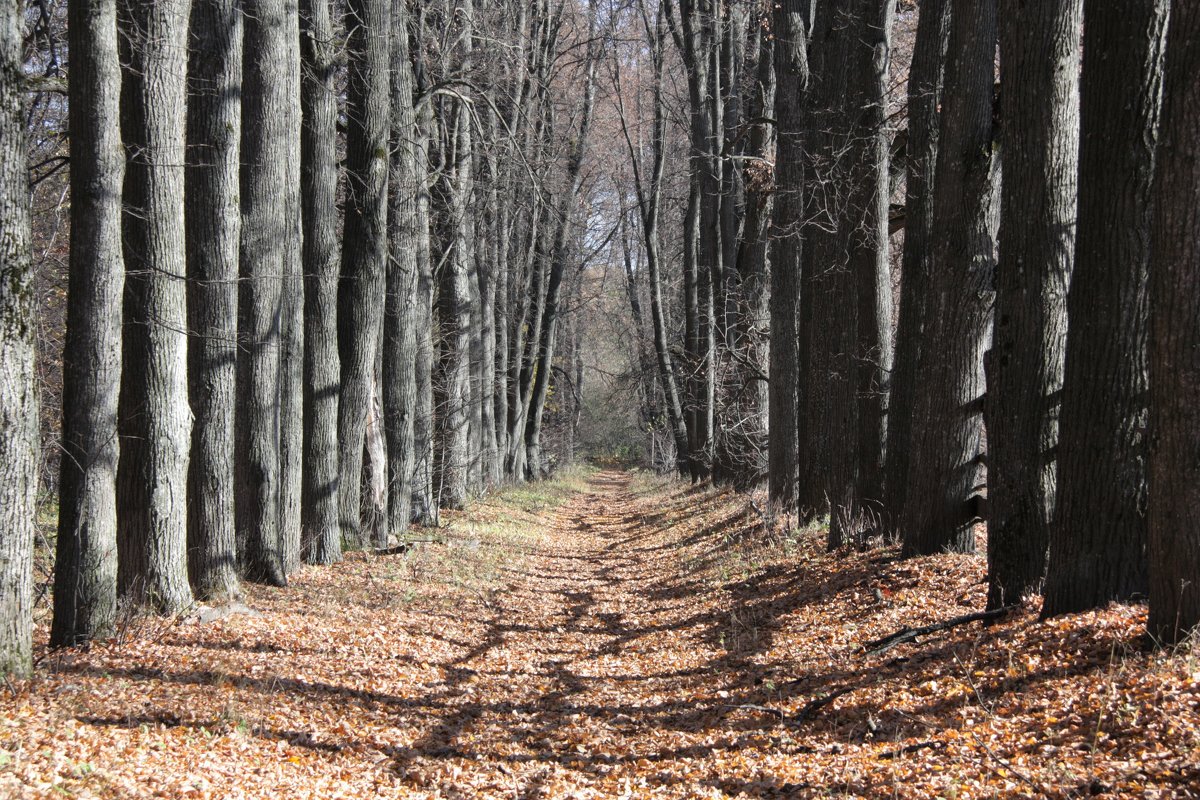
x: 155, y: 420
x: 269, y: 250
x: 1098, y: 538
x: 85, y: 570
x: 321, y: 532
x: 213, y: 233
x: 924, y: 102
x: 1174, y: 524
x: 364, y: 241
x: 946, y: 460
x: 1039, y: 70
x: 18, y: 397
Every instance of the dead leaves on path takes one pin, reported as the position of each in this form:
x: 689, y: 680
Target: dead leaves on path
x: 643, y: 639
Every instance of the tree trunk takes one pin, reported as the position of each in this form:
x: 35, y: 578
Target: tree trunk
x: 946, y: 473
x: 1174, y: 509
x: 426, y: 511
x: 156, y: 423
x: 18, y: 395
x: 364, y: 243
x: 213, y: 231
x: 1039, y: 47
x: 321, y: 533
x: 1098, y: 539
x: 924, y: 102
x: 406, y: 238
x: 270, y: 242
x: 85, y: 569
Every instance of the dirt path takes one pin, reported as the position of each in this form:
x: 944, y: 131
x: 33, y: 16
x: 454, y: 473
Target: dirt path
x: 640, y: 639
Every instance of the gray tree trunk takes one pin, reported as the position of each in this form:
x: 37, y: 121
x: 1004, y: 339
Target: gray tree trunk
x: 270, y: 247
x: 213, y: 231
x: 85, y: 569
x: 924, y: 101
x: 18, y: 395
x: 1098, y: 538
x: 364, y: 243
x: 1039, y: 48
x: 321, y: 532
x: 1174, y: 511
x: 156, y: 423
x: 946, y: 472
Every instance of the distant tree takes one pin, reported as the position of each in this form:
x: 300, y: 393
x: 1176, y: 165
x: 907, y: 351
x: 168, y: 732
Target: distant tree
x: 1174, y: 479
x: 156, y: 423
x: 85, y: 569
x: 1039, y: 104
x: 18, y: 396
x: 213, y: 233
x: 1098, y: 538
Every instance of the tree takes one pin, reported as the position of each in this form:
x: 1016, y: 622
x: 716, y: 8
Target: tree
x: 213, y: 231
x: 321, y: 532
x: 1098, y: 538
x: 18, y: 398
x: 946, y: 460
x: 85, y: 569
x: 155, y: 420
x: 1174, y: 473
x: 1039, y: 73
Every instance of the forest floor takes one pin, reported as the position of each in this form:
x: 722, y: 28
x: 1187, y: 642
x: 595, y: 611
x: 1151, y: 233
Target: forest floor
x: 612, y: 634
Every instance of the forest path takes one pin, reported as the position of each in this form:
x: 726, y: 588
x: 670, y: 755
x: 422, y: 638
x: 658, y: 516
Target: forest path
x: 617, y: 635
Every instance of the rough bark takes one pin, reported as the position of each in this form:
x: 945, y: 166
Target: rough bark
x: 270, y: 245
x: 18, y: 396
x: 364, y: 243
x: 1174, y: 479
x: 946, y: 472
x: 321, y: 533
x: 924, y: 101
x: 213, y: 230
x: 85, y: 569
x: 155, y: 421
x: 425, y: 509
x: 1039, y: 70
x: 1098, y: 538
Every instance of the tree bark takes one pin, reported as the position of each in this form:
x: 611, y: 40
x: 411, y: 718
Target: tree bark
x: 924, y: 101
x: 213, y: 230
x: 1098, y: 538
x: 18, y: 395
x: 1039, y: 48
x: 945, y: 473
x: 364, y: 243
x: 156, y: 424
x: 85, y: 569
x: 1174, y: 488
x: 321, y: 533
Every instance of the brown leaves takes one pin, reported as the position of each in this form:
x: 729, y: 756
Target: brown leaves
x: 642, y: 639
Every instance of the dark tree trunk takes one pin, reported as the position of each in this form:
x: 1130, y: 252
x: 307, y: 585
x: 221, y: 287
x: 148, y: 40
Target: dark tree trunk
x: 18, y: 394
x: 364, y: 244
x: 426, y: 511
x: 213, y: 230
x: 924, y: 101
x: 406, y: 238
x: 1174, y: 511
x: 946, y: 472
x: 1098, y: 539
x: 793, y: 25
x: 1039, y: 48
x: 85, y: 569
x: 321, y: 533
x: 270, y: 246
x: 156, y: 423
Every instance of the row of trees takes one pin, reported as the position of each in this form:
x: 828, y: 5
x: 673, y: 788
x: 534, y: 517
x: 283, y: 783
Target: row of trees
x: 320, y: 256
x: 945, y: 347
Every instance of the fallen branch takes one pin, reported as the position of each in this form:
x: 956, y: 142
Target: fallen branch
x: 909, y: 634
x: 404, y: 547
x: 817, y: 703
x: 913, y: 748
